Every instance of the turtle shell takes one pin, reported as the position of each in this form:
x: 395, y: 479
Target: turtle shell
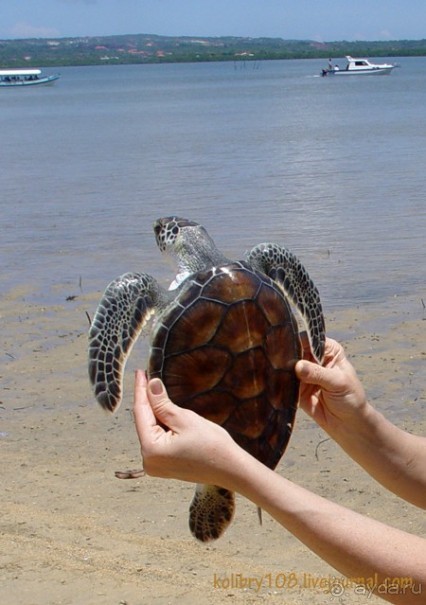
x: 226, y: 349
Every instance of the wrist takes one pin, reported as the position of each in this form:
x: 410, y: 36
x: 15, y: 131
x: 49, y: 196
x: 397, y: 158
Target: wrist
x: 230, y: 468
x: 364, y: 437
x: 357, y: 425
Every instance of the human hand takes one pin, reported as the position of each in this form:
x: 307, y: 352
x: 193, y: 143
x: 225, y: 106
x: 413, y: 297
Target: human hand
x: 332, y: 393
x: 176, y: 442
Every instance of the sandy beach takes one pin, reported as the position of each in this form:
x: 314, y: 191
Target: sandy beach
x: 73, y: 534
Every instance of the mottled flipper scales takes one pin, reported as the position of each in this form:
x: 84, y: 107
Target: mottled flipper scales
x: 288, y: 272
x: 127, y: 304
x: 211, y: 511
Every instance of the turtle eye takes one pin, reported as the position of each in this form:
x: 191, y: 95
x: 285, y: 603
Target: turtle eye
x: 171, y: 235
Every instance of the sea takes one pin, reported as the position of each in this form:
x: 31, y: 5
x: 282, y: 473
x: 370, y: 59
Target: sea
x: 332, y: 168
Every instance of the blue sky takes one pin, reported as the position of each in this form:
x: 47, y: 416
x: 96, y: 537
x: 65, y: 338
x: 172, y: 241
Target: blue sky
x: 321, y: 20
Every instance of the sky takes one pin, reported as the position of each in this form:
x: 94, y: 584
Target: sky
x: 320, y: 20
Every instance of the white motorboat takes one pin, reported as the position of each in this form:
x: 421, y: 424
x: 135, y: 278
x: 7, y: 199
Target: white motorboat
x: 24, y: 77
x: 359, y: 67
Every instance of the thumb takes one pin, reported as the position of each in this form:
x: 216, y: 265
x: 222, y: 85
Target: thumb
x: 312, y: 373
x: 164, y: 410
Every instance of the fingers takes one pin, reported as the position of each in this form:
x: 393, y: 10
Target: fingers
x: 312, y: 373
x: 306, y: 346
x: 304, y: 340
x: 144, y: 416
x: 165, y: 410
x: 153, y: 406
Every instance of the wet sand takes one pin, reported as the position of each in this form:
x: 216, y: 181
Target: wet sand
x: 71, y: 533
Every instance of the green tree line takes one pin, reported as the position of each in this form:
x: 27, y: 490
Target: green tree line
x: 144, y: 48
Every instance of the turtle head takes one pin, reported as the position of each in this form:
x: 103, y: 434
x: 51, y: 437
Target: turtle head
x: 189, y: 243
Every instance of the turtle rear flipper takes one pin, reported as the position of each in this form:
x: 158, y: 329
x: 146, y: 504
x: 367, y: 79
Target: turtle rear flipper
x: 290, y: 275
x: 126, y: 306
x: 211, y: 511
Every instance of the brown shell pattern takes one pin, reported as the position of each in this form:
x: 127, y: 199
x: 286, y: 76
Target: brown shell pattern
x: 227, y: 350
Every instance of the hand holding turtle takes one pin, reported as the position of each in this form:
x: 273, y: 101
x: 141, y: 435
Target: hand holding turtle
x: 335, y: 398
x: 190, y: 448
x: 332, y: 393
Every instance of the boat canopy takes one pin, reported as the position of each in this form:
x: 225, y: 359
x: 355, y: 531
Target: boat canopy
x: 12, y: 73
x: 358, y: 62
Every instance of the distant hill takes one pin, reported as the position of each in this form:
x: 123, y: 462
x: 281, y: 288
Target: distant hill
x: 144, y: 48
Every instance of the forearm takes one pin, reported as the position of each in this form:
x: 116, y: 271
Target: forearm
x: 356, y: 546
x: 196, y: 450
x: 393, y: 457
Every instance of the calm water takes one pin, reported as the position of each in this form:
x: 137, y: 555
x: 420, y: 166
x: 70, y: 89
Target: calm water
x: 332, y: 168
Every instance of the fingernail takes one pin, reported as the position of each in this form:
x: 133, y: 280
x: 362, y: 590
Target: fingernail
x: 301, y: 368
x: 156, y: 387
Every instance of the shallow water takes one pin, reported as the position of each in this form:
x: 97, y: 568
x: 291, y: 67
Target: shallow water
x: 331, y: 168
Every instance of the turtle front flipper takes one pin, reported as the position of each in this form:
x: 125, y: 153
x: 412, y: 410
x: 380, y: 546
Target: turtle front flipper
x: 125, y: 307
x: 290, y: 275
x: 211, y: 511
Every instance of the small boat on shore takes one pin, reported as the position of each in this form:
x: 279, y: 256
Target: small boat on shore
x: 24, y: 77
x: 358, y: 67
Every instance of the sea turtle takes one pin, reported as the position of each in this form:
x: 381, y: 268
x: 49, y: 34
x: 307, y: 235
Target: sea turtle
x: 225, y: 342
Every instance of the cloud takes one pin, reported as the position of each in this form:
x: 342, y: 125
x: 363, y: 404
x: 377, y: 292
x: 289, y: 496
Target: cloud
x: 26, y: 30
